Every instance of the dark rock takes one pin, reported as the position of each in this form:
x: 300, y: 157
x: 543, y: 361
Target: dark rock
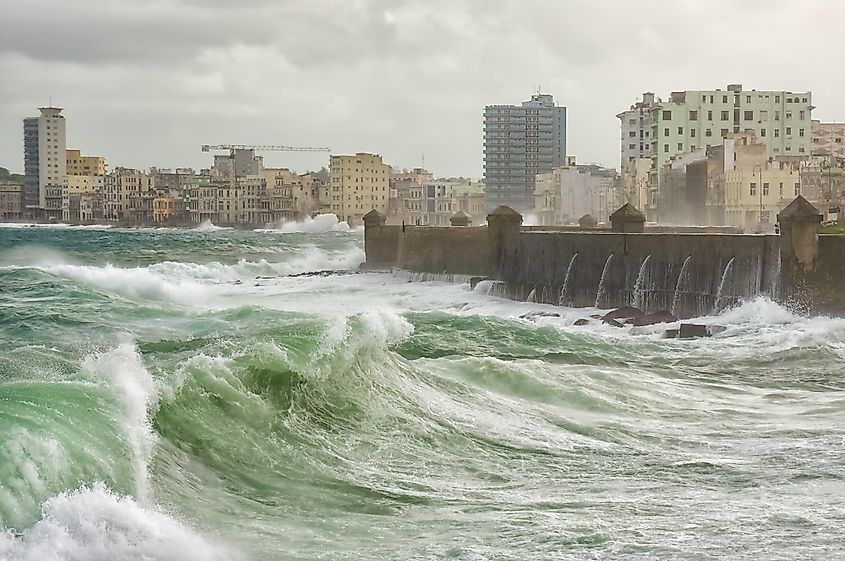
x: 532, y: 315
x: 473, y: 281
x: 663, y: 316
x: 581, y: 322
x: 596, y: 316
x: 692, y: 331
x: 671, y: 334
x: 611, y: 322
x: 325, y: 273
x: 623, y: 313
x: 714, y: 329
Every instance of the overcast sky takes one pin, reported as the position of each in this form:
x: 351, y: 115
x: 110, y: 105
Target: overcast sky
x: 146, y: 82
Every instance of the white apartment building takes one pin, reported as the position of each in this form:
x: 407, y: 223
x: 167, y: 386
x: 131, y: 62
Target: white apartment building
x: 635, y: 125
x: 45, y: 162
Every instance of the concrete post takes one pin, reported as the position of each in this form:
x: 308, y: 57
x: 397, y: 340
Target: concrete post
x: 799, y: 231
x: 628, y: 219
x: 460, y: 218
x: 502, y: 224
x: 381, y: 242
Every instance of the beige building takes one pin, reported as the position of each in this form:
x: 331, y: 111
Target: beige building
x: 79, y: 187
x: 358, y: 185
x: 45, y: 162
x: 829, y: 139
x: 568, y: 192
x: 128, y: 195
x: 11, y: 201
x: 635, y: 182
x: 77, y: 164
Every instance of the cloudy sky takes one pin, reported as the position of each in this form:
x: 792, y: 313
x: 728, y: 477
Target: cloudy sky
x: 146, y: 82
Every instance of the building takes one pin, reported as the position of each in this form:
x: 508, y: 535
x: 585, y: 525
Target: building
x: 520, y: 142
x: 635, y: 182
x: 635, y: 124
x: 11, y: 201
x: 77, y: 164
x: 828, y: 139
x: 128, y: 196
x: 358, y: 184
x: 568, y: 192
x: 82, y: 198
x: 691, y: 120
x: 45, y: 163
x: 239, y: 162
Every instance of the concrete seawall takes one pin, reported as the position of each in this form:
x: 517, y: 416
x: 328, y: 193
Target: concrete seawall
x: 687, y: 273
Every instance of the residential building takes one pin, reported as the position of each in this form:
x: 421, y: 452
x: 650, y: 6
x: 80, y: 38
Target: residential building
x: 201, y: 200
x: 239, y: 162
x: 359, y: 184
x: 691, y: 120
x: 45, y: 163
x: 91, y: 188
x: 822, y: 183
x: 635, y: 182
x: 828, y: 139
x: 77, y: 164
x: 11, y: 201
x: 520, y: 142
x: 568, y: 192
x: 635, y: 124
x: 128, y: 196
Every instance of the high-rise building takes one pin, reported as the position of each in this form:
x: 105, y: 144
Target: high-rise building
x: 691, y: 120
x: 520, y: 142
x: 635, y: 124
x: 359, y: 184
x: 45, y: 163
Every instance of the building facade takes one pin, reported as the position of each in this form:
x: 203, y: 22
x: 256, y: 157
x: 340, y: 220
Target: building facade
x: 358, y: 184
x: 11, y: 201
x: 77, y: 164
x: 635, y: 125
x: 45, y: 163
x: 520, y: 142
x: 691, y: 120
x: 568, y: 192
x: 828, y: 140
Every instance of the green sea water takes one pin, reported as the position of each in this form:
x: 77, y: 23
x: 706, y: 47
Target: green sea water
x: 170, y: 394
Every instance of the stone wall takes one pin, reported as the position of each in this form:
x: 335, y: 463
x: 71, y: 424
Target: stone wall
x: 448, y: 250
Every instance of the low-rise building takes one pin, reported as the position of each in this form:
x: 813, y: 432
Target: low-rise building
x: 571, y: 191
x: 11, y: 201
x: 829, y: 139
x: 358, y: 184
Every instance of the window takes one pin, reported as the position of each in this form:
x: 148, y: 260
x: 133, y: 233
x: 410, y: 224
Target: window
x: 762, y: 133
x: 726, y: 115
x: 764, y: 115
x: 665, y: 132
x: 667, y: 115
x: 748, y: 99
x: 753, y: 189
x: 780, y: 190
x: 710, y: 115
x: 680, y: 147
x: 680, y: 130
x: 632, y: 122
x: 777, y: 133
x: 723, y: 133
x: 765, y: 189
x: 704, y: 99
x: 693, y: 115
x: 805, y: 100
x: 708, y: 132
x: 749, y: 115
x: 788, y: 131
x: 692, y: 133
x: 789, y: 114
x: 801, y: 149
x: 800, y: 132
x: 797, y: 188
x: 711, y: 99
x: 777, y: 115
x: 632, y: 134
x: 632, y: 146
x: 802, y: 115
x: 692, y: 148
x: 666, y: 148
x: 724, y: 99
x: 777, y: 99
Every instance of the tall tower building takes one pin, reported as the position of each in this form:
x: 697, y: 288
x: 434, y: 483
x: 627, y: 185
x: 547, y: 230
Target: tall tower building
x: 635, y: 124
x: 45, y: 163
x: 520, y: 142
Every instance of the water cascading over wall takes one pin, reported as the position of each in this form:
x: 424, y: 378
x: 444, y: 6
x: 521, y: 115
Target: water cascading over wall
x: 689, y: 274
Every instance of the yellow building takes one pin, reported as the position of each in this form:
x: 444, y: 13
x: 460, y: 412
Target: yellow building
x: 77, y: 164
x: 359, y: 184
x: 756, y: 187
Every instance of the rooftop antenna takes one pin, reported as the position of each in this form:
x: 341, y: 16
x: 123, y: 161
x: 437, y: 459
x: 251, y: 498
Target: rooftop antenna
x: 423, y: 161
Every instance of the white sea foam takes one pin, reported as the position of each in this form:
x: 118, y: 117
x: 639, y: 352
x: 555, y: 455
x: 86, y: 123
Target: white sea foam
x: 97, y: 525
x: 208, y: 226
x: 123, y: 369
x: 56, y: 226
x: 319, y: 224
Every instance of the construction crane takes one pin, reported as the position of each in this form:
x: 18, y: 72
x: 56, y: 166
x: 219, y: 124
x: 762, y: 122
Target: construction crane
x: 262, y: 148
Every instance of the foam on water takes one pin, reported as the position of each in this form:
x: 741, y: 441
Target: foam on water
x: 319, y: 224
x: 208, y: 226
x: 95, y: 524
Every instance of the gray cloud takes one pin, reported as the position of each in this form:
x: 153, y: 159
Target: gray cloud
x: 146, y: 82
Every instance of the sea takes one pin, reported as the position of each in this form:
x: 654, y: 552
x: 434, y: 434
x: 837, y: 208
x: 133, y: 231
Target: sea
x: 216, y: 394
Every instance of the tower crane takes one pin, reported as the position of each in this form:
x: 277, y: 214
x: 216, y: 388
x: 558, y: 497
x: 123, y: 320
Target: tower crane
x: 262, y: 148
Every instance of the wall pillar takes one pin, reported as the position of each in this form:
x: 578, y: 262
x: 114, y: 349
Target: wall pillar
x: 502, y: 224
x: 628, y: 219
x: 460, y: 218
x: 799, y: 247
x: 381, y: 242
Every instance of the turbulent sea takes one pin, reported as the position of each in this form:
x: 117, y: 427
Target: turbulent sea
x: 178, y: 395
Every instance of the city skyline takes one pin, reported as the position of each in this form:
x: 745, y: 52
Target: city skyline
x: 385, y: 77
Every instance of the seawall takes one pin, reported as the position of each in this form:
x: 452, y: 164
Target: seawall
x: 688, y: 273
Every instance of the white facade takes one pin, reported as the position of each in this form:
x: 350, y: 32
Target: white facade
x: 635, y: 124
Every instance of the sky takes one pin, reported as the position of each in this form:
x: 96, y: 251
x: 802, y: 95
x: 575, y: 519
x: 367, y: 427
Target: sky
x: 147, y: 82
